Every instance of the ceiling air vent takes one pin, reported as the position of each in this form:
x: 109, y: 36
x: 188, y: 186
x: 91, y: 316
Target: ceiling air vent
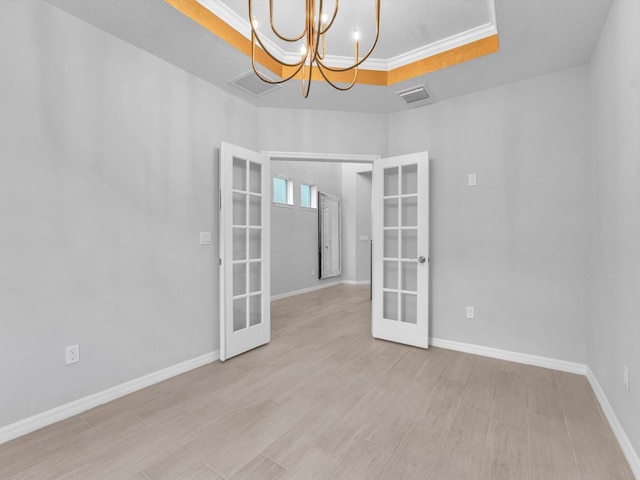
x: 414, y: 94
x: 250, y: 83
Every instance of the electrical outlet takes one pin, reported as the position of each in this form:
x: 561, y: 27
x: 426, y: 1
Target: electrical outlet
x: 471, y: 312
x: 625, y: 377
x: 473, y: 180
x: 205, y: 238
x: 73, y: 354
x: 313, y: 271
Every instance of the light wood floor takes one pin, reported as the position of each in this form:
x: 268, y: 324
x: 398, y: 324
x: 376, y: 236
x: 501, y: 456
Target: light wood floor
x: 325, y: 400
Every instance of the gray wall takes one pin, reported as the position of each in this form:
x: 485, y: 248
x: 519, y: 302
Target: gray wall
x: 363, y: 226
x: 316, y: 131
x: 355, y: 218
x: 614, y: 325
x: 107, y: 175
x: 515, y: 246
x: 294, y: 230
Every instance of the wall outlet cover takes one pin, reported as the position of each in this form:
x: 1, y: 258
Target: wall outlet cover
x: 471, y: 312
x: 205, y: 238
x: 73, y: 354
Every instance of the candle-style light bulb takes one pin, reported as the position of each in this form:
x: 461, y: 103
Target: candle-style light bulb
x: 254, y: 22
x: 356, y: 35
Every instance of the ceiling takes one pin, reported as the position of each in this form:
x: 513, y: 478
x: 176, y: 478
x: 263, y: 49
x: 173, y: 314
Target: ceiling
x: 535, y: 37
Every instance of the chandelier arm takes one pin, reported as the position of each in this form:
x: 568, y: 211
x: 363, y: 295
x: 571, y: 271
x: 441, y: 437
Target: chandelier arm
x: 359, y: 62
x: 333, y: 17
x: 342, y: 89
x: 273, y: 27
x: 306, y: 83
x: 267, y: 80
x: 255, y: 37
x: 315, y: 31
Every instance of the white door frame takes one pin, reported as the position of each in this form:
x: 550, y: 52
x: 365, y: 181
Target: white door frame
x: 321, y: 157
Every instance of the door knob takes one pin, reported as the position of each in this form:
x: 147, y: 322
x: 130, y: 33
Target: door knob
x: 422, y: 259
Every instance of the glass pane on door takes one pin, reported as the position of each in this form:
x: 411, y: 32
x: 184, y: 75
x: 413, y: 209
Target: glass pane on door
x: 255, y: 310
x: 239, y: 174
x: 390, y: 181
x: 239, y: 314
x: 409, y: 308
x: 390, y: 305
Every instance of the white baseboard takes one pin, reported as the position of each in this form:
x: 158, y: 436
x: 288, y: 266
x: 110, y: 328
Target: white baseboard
x: 70, y: 409
x: 306, y: 290
x: 356, y: 282
x: 510, y: 356
x: 625, y: 444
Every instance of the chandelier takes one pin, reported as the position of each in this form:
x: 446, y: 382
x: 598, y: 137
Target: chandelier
x: 312, y: 46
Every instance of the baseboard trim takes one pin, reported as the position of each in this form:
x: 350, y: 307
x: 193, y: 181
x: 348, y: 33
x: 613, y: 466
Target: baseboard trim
x: 356, y: 282
x: 306, y: 290
x: 623, y: 440
x: 70, y: 409
x: 525, y: 358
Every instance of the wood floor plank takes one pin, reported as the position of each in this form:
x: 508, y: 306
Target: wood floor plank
x: 506, y: 454
x: 485, y: 371
x: 403, y: 370
x: 342, y: 434
x: 293, y: 444
x: 435, y: 362
x: 550, y: 450
x: 315, y: 464
x: 510, y: 400
x: 236, y: 449
x: 420, y: 448
x: 393, y: 423
x: 183, y: 472
x: 444, y: 398
x: 461, y: 456
x: 260, y: 468
x: 474, y: 411
x: 459, y: 368
x: 543, y: 397
x: 365, y: 460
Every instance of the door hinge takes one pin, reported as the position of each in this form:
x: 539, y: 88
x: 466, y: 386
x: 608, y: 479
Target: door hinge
x: 220, y: 200
x: 219, y: 261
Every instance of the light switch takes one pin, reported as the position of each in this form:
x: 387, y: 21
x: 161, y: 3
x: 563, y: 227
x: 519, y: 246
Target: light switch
x: 472, y: 180
x: 205, y: 238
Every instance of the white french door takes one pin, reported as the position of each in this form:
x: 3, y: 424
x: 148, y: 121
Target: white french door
x: 400, y: 229
x: 245, y: 193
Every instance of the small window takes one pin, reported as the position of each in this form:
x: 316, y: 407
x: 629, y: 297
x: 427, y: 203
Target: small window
x: 282, y: 191
x: 308, y: 195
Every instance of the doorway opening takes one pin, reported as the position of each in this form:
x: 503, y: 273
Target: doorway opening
x: 296, y: 249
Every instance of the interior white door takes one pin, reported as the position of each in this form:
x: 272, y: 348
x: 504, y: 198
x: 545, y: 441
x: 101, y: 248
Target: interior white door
x: 245, y: 188
x: 400, y: 230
